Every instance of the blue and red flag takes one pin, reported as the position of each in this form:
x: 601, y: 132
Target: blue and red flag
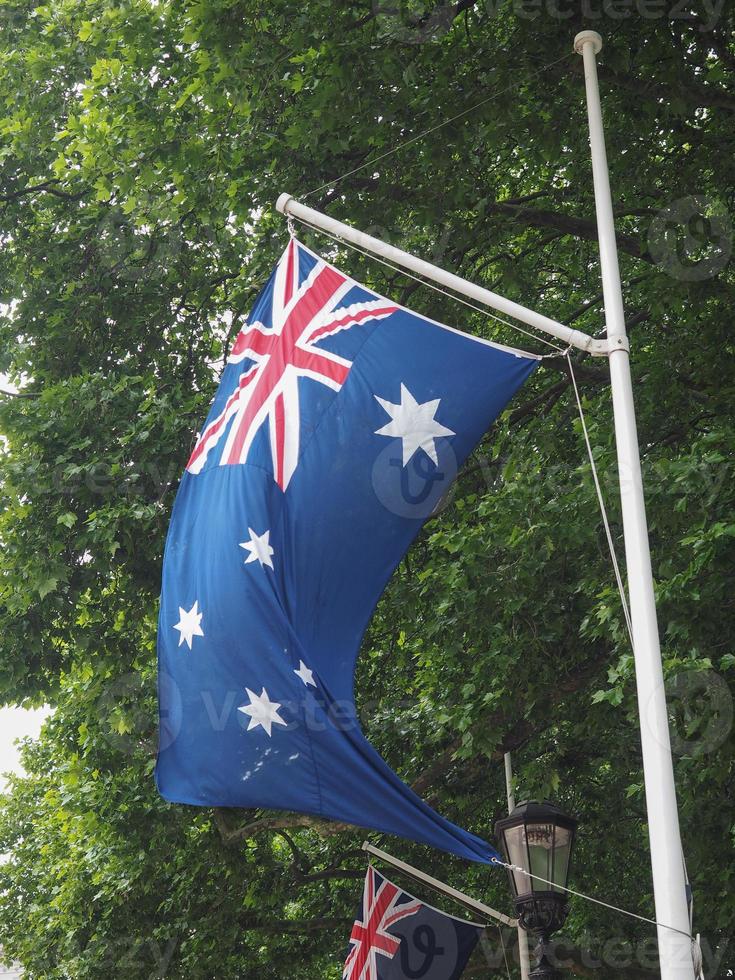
x: 339, y: 424
x: 397, y: 937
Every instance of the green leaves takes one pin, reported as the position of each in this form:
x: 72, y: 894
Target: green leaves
x: 86, y: 30
x: 46, y: 585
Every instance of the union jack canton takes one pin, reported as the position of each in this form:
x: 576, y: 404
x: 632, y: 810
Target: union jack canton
x: 370, y: 937
x: 281, y: 347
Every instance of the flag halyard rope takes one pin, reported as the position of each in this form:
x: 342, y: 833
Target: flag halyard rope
x: 603, y: 508
x: 432, y: 129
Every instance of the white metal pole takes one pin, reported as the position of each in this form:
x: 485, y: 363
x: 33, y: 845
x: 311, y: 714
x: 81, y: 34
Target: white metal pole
x: 509, y: 782
x: 524, y: 958
x: 439, y: 886
x: 663, y: 819
x: 577, y: 338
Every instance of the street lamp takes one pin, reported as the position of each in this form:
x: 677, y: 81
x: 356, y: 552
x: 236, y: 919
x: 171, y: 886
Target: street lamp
x: 537, y: 839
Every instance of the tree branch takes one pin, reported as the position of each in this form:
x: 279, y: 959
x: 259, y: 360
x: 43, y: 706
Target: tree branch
x: 380, y: 8
x: 529, y: 407
x: 232, y: 835
x: 695, y: 94
x: 568, y: 224
x: 521, y: 731
x: 48, y: 187
x: 20, y: 394
x: 332, y: 871
x: 581, y: 310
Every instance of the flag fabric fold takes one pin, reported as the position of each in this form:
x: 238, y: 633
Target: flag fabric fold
x: 339, y: 424
x: 397, y: 937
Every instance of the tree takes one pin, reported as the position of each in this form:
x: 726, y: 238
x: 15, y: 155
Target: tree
x: 144, y: 145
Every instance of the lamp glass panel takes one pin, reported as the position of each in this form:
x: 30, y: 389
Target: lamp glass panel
x: 540, y: 838
x: 562, y: 853
x: 515, y: 845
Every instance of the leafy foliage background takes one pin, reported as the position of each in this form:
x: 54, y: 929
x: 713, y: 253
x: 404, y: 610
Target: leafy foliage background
x: 143, y: 144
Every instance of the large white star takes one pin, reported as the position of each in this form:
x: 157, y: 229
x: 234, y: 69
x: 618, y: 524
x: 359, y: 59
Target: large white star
x: 413, y: 423
x: 189, y: 624
x: 262, y: 711
x: 259, y: 548
x: 306, y: 675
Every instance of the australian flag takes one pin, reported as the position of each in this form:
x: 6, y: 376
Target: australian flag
x: 396, y: 937
x: 338, y: 426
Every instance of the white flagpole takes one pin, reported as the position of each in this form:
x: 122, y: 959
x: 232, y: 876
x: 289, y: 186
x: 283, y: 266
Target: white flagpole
x: 523, y: 957
x: 663, y: 820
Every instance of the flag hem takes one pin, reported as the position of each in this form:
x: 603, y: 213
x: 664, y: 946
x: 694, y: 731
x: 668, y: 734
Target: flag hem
x: 428, y: 905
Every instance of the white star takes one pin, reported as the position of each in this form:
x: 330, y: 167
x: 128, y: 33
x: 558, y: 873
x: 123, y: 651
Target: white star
x: 259, y: 548
x: 262, y: 711
x: 189, y: 624
x: 414, y: 423
x: 306, y: 675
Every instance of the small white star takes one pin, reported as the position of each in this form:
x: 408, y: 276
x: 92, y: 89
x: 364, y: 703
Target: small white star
x: 262, y: 711
x: 414, y: 423
x: 306, y: 675
x: 259, y: 548
x: 189, y: 624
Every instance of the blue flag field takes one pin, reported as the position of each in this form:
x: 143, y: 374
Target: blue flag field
x: 340, y: 422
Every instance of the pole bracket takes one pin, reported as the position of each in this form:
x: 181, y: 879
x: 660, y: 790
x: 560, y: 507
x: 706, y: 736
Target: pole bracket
x: 598, y: 348
x: 604, y: 348
x: 619, y: 342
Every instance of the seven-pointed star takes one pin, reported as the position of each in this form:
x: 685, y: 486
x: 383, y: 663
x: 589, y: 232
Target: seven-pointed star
x: 189, y: 624
x: 262, y: 711
x: 413, y: 423
x: 259, y: 548
x: 306, y: 675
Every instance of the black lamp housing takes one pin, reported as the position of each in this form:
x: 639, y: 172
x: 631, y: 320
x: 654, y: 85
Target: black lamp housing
x: 539, y: 837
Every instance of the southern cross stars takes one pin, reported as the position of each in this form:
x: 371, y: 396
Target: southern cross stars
x: 189, y: 624
x: 262, y: 711
x: 414, y: 424
x: 259, y: 548
x: 306, y: 675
